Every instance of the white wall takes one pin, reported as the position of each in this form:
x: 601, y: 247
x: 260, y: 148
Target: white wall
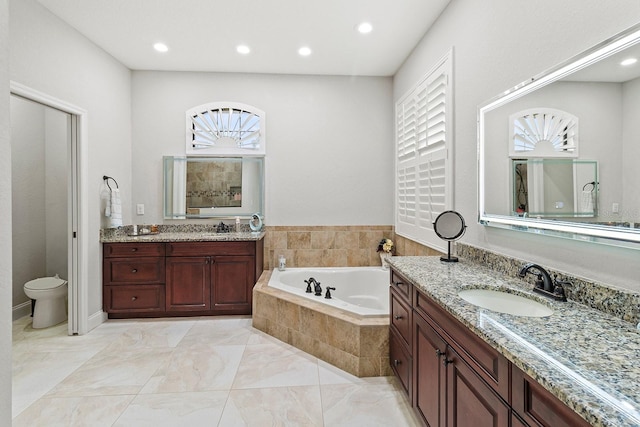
x: 28, y: 194
x: 51, y: 57
x: 630, y: 206
x: 329, y: 141
x: 5, y: 223
x: 497, y: 45
x: 39, y: 140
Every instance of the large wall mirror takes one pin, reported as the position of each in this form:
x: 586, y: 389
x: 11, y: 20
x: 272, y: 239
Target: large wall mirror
x: 213, y: 187
x: 538, y: 173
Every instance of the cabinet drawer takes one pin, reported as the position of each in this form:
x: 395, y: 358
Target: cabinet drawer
x: 210, y: 248
x: 400, y: 360
x: 487, y: 361
x: 400, y: 317
x: 538, y: 407
x: 133, y: 270
x: 134, y: 298
x: 401, y: 285
x: 112, y: 250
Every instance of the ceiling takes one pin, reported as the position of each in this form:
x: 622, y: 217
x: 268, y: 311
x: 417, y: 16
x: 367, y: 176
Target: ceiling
x: 202, y: 35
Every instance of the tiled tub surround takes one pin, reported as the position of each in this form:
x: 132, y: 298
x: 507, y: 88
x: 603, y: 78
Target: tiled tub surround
x: 324, y: 246
x: 583, y: 356
x: 356, y: 344
x: 620, y: 303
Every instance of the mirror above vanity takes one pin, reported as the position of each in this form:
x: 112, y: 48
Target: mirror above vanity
x: 213, y: 187
x: 557, y: 154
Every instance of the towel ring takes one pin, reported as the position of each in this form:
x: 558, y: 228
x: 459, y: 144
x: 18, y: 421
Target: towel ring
x: 592, y: 183
x: 106, y: 180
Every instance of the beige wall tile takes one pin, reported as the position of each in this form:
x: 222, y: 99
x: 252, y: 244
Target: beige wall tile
x: 299, y: 240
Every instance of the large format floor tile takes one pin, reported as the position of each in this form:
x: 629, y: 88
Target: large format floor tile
x: 213, y: 371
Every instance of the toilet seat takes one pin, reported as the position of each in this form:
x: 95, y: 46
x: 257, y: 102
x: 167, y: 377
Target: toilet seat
x: 45, y: 283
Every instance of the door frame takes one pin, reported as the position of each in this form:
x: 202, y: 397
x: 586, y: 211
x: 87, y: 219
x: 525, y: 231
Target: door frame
x: 77, y: 223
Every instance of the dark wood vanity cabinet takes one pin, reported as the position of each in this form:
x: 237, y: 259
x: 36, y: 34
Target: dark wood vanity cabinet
x: 453, y: 378
x: 211, y: 276
x: 180, y: 278
x: 447, y: 390
x: 133, y: 277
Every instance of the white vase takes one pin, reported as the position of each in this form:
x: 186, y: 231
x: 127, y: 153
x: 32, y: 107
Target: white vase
x: 384, y: 259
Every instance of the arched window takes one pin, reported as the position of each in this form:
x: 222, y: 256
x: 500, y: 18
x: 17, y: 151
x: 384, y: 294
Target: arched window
x: 225, y: 128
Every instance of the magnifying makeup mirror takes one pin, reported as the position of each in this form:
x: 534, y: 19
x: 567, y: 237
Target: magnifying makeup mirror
x: 255, y: 223
x: 449, y: 226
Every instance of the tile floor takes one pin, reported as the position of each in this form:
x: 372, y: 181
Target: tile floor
x: 202, y: 371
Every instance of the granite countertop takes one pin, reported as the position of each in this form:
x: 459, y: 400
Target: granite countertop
x: 586, y: 358
x: 185, y: 233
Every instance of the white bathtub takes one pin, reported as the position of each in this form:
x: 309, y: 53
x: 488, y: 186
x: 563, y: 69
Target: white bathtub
x: 360, y: 290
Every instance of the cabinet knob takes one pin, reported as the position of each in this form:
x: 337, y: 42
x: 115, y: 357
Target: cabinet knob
x: 134, y: 249
x: 446, y: 361
x: 397, y: 317
x: 398, y: 284
x: 135, y: 270
x: 134, y: 298
x: 439, y: 353
x: 396, y: 362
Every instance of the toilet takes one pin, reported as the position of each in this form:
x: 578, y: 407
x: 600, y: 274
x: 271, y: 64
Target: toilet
x: 50, y: 295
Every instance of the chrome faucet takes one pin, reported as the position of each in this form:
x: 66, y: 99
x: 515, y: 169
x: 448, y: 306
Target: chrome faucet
x: 544, y: 284
x: 544, y: 279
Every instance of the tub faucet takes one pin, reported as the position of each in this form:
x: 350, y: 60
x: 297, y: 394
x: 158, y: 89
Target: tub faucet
x: 543, y: 281
x: 328, y: 294
x: 316, y: 286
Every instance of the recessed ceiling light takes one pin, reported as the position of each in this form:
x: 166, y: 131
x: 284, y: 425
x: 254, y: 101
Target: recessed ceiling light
x: 365, y: 28
x: 161, y: 47
x: 243, y: 49
x: 304, y: 51
x: 629, y: 61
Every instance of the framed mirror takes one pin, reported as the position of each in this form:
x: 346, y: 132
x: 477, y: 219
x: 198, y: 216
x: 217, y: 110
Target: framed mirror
x: 213, y: 187
x: 538, y: 173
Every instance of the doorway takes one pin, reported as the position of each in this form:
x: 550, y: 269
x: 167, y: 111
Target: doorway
x: 63, y: 222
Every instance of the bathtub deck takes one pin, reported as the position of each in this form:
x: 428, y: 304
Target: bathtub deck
x: 356, y: 344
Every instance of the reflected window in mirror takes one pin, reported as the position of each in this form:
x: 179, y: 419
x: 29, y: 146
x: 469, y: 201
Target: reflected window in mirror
x: 601, y: 206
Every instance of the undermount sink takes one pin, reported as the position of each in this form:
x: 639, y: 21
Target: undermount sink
x: 504, y: 302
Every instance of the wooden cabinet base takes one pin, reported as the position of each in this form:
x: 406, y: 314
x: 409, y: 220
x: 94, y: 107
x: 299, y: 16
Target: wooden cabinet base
x: 174, y: 279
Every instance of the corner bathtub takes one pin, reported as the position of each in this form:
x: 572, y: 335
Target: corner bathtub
x: 350, y: 331
x: 359, y: 290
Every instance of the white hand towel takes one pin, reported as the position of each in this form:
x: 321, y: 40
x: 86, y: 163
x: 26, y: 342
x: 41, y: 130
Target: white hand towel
x: 586, y: 203
x: 114, y: 205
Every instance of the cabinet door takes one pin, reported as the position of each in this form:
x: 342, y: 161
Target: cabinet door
x: 429, y: 396
x: 232, y: 283
x: 470, y: 401
x: 187, y: 286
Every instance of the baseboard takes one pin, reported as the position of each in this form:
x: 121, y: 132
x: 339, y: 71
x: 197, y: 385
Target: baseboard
x: 96, y: 320
x: 21, y: 310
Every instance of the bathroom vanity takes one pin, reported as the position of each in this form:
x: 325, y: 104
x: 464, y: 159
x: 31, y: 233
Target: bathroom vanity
x: 181, y: 274
x: 458, y: 362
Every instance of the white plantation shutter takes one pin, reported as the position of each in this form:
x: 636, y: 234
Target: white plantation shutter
x: 424, y: 155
